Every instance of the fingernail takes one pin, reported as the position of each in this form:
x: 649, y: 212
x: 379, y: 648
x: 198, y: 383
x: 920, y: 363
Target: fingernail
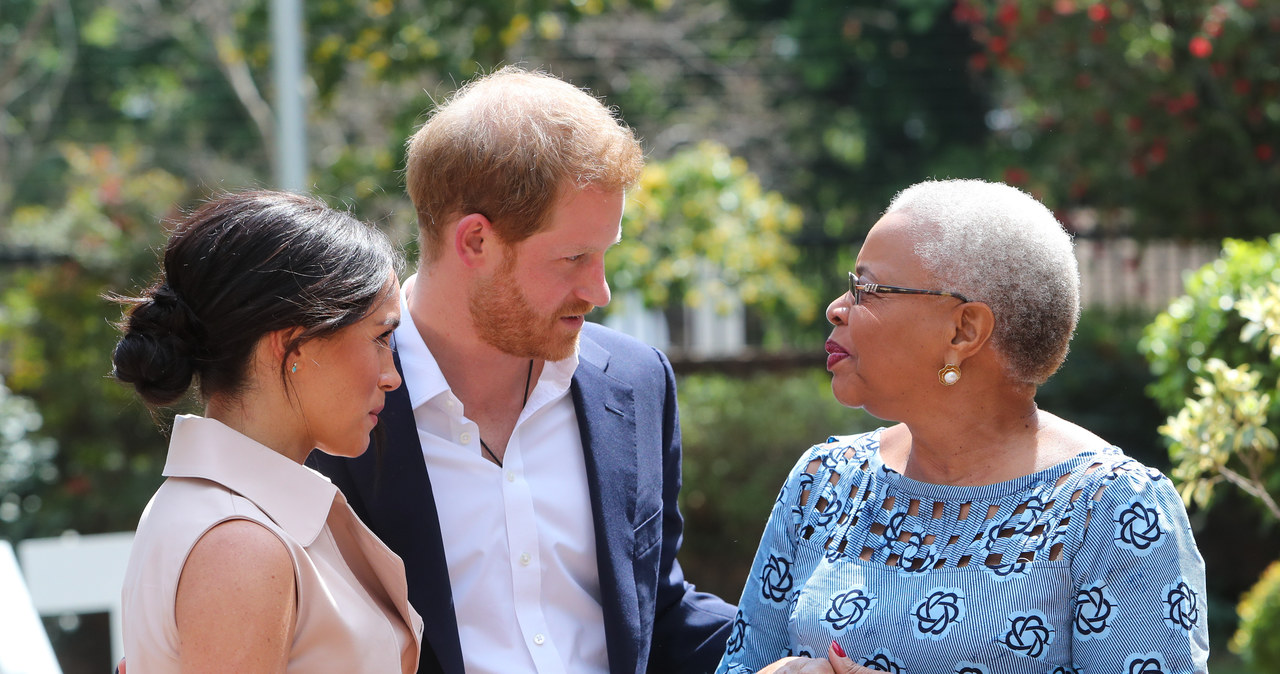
x: 836, y: 647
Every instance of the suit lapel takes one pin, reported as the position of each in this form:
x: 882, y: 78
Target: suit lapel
x: 606, y: 420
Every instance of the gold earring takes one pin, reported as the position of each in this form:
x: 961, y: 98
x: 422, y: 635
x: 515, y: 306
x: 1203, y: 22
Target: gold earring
x: 294, y: 369
x: 949, y: 375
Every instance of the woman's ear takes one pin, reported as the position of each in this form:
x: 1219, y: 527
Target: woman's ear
x: 279, y: 348
x: 972, y: 324
x: 473, y: 238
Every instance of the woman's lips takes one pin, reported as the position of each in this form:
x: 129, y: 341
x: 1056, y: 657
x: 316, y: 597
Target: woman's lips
x: 835, y: 353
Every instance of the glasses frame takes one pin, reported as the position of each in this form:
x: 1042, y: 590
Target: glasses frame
x: 856, y: 289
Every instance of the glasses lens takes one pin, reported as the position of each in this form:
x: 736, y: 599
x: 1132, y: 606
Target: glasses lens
x: 853, y: 288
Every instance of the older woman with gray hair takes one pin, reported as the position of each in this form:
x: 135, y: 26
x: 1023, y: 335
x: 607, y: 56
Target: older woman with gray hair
x: 979, y: 534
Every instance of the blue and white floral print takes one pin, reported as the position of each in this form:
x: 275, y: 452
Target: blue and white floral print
x: 937, y: 613
x: 1095, y: 611
x: 1088, y: 566
x: 849, y: 609
x: 1029, y: 634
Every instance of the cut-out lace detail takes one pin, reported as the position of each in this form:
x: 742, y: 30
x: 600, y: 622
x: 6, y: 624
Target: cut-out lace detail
x: 856, y: 505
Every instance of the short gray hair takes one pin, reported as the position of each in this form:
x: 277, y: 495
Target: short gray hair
x: 998, y: 245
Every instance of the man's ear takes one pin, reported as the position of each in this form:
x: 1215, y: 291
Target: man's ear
x: 972, y: 325
x: 473, y: 239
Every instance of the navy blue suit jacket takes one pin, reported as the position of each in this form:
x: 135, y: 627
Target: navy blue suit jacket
x: 625, y: 396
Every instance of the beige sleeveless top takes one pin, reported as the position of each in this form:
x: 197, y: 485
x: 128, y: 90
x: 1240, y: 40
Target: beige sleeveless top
x: 353, y: 609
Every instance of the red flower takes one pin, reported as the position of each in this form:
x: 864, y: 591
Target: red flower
x: 978, y: 63
x: 1099, y: 12
x: 1015, y: 175
x: 1098, y: 35
x: 1200, y: 47
x: 998, y: 45
x: 1007, y: 15
x: 1263, y: 152
x: 1241, y: 86
x: 1159, y: 152
x: 966, y: 12
x: 1134, y: 124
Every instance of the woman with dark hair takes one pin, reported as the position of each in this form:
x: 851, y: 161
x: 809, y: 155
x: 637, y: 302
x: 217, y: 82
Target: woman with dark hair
x: 279, y: 311
x: 979, y: 534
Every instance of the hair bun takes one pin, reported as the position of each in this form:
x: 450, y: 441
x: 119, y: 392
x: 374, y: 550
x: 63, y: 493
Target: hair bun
x: 160, y: 347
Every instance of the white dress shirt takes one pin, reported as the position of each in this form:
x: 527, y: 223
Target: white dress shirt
x: 519, y: 539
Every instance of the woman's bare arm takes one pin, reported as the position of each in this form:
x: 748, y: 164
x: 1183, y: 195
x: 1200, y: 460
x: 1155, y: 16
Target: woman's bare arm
x: 236, y: 604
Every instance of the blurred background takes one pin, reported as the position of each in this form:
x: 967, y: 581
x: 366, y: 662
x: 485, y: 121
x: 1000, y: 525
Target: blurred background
x: 776, y: 132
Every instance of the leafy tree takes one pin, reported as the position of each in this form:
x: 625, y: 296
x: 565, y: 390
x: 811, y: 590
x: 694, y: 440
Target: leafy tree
x: 58, y: 334
x: 1259, y: 611
x: 1216, y: 356
x: 871, y: 97
x: 699, y: 228
x: 1162, y: 114
x: 190, y: 78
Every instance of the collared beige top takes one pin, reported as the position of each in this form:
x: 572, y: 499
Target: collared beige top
x: 353, y: 608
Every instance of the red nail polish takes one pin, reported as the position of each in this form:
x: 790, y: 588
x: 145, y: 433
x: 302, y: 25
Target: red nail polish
x: 839, y: 651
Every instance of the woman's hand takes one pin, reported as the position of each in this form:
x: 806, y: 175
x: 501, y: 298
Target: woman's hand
x: 836, y: 663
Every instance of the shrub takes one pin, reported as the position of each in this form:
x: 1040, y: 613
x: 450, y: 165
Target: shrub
x: 741, y: 436
x: 1255, y: 639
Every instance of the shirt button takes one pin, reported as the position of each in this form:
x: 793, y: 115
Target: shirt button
x: 525, y: 559
x: 539, y: 639
x: 511, y: 476
x: 465, y: 438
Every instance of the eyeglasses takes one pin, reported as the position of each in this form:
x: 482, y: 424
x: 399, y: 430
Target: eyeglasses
x: 858, y: 288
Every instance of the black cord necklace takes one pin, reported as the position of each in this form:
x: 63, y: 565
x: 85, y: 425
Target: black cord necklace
x: 528, y: 377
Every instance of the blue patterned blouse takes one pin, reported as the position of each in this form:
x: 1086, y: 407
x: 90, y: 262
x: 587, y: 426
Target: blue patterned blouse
x: 1087, y: 567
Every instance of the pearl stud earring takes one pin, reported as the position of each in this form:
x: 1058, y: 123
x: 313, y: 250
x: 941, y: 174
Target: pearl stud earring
x: 949, y: 375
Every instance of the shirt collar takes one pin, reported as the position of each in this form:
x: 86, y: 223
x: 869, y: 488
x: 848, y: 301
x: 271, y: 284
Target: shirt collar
x: 419, y: 366
x: 295, y: 497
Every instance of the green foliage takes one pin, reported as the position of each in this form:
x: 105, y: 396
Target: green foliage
x: 24, y: 456
x: 193, y: 81
x: 1259, y: 610
x: 58, y: 335
x: 1162, y: 114
x: 1226, y: 423
x: 699, y: 228
x: 869, y: 101
x: 741, y: 437
x: 1206, y: 323
x: 1217, y: 366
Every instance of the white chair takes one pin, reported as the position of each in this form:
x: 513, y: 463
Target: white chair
x: 24, y: 646
x: 78, y: 574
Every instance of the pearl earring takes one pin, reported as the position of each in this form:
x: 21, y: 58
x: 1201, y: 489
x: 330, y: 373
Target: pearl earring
x: 949, y: 375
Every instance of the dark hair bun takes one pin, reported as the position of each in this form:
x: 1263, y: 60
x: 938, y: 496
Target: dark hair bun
x: 236, y: 269
x: 160, y: 345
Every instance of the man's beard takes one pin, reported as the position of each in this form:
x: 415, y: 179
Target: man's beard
x: 505, y: 319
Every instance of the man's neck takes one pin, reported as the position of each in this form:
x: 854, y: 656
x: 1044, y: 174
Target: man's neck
x: 488, y: 382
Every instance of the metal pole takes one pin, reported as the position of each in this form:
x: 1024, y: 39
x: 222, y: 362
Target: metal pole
x: 291, y: 109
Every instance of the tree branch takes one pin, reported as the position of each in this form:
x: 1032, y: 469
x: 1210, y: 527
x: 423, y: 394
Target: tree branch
x: 228, y: 54
x: 1252, y: 488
